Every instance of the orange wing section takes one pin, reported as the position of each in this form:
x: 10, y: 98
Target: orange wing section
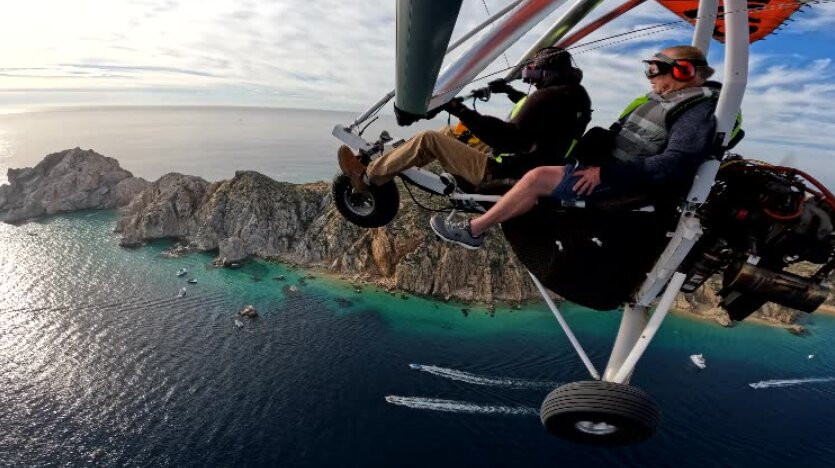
x: 764, y: 16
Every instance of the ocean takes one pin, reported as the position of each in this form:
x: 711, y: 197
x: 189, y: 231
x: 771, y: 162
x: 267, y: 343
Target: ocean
x: 291, y: 145
x: 102, y: 364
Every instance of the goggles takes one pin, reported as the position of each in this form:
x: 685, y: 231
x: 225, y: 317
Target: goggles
x: 536, y: 70
x: 531, y: 74
x: 653, y: 68
x: 660, y: 64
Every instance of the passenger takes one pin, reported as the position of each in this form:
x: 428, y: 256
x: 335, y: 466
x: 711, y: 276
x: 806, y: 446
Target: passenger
x: 540, y: 131
x: 659, y: 142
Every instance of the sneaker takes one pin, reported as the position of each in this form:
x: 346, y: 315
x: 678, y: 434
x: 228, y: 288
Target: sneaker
x: 352, y: 167
x: 456, y: 232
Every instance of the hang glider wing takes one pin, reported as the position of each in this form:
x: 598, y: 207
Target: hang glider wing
x: 764, y: 16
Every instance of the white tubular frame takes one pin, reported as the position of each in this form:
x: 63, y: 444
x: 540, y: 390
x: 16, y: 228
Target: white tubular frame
x: 689, y: 228
x: 636, y: 329
x: 705, y: 21
x: 636, y: 332
x: 573, y: 339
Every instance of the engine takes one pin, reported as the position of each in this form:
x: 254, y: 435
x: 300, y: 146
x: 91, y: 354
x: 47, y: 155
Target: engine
x: 770, y: 234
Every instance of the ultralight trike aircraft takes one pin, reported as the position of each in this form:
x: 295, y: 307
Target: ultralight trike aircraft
x: 748, y: 220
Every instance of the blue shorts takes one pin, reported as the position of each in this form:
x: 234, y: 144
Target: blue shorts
x: 564, y: 190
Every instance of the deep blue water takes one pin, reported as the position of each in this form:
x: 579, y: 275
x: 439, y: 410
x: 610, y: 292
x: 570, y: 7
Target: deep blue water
x: 102, y: 364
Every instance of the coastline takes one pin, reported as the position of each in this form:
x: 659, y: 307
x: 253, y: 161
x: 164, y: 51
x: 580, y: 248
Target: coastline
x: 306, y: 232
x: 339, y: 279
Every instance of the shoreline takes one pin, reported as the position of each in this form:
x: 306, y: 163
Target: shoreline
x: 793, y: 328
x: 358, y: 281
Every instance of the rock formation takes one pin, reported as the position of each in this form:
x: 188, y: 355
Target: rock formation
x: 70, y: 180
x: 253, y: 215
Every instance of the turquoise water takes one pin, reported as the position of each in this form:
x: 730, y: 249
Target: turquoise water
x: 102, y: 363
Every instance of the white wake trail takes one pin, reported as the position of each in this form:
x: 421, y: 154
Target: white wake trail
x: 452, y: 406
x: 476, y: 379
x: 789, y: 382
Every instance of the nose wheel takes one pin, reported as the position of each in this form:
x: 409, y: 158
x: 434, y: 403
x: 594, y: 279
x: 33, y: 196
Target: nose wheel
x: 600, y: 413
x: 375, y: 207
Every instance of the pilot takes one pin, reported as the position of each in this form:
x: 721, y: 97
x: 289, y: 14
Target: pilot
x: 541, y: 129
x: 658, y: 144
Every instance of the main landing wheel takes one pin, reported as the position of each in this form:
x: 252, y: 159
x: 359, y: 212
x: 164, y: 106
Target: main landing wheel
x: 374, y: 208
x: 600, y: 413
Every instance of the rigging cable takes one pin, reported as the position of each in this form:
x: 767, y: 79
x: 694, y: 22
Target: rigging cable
x: 630, y: 35
x: 504, y: 54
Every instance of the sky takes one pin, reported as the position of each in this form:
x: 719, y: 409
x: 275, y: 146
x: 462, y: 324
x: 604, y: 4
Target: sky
x: 337, y: 55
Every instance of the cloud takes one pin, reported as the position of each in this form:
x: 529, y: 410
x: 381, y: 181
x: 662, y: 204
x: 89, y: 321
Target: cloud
x: 819, y: 18
x: 135, y: 68
x: 332, y: 54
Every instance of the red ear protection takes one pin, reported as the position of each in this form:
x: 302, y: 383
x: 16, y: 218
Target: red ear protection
x: 683, y: 70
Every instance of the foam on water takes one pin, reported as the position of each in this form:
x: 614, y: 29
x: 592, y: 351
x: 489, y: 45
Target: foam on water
x: 452, y: 406
x: 475, y: 379
x: 789, y: 382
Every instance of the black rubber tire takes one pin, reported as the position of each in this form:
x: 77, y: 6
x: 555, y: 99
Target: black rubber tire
x: 632, y: 415
x: 371, y: 209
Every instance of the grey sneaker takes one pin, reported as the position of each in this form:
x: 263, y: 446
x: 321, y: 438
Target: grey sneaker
x: 456, y: 232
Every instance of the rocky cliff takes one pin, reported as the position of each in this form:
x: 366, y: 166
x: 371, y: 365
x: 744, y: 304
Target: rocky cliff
x: 253, y: 215
x: 704, y: 302
x: 70, y: 180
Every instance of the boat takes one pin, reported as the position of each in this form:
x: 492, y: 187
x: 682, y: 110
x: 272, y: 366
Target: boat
x: 239, y: 324
x: 810, y: 356
x: 182, y: 271
x: 192, y: 281
x: 182, y: 292
x: 698, y: 360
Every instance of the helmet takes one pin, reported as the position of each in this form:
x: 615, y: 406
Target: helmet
x: 551, y: 66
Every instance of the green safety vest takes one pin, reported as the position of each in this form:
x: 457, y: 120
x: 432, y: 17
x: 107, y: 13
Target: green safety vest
x: 645, y: 121
x: 513, y: 113
x: 516, y: 108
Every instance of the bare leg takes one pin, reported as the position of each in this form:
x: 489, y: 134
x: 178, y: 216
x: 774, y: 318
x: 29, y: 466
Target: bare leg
x: 521, y: 198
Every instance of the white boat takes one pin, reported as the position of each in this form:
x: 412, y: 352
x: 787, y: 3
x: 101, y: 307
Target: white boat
x: 810, y: 356
x: 239, y: 324
x: 182, y: 292
x: 192, y: 281
x: 698, y: 360
x: 182, y: 271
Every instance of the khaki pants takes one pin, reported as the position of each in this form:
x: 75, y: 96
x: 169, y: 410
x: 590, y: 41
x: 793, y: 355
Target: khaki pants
x: 425, y: 147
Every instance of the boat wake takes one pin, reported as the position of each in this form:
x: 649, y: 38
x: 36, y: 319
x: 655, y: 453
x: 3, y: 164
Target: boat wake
x: 452, y: 406
x: 490, y: 381
x: 789, y: 382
